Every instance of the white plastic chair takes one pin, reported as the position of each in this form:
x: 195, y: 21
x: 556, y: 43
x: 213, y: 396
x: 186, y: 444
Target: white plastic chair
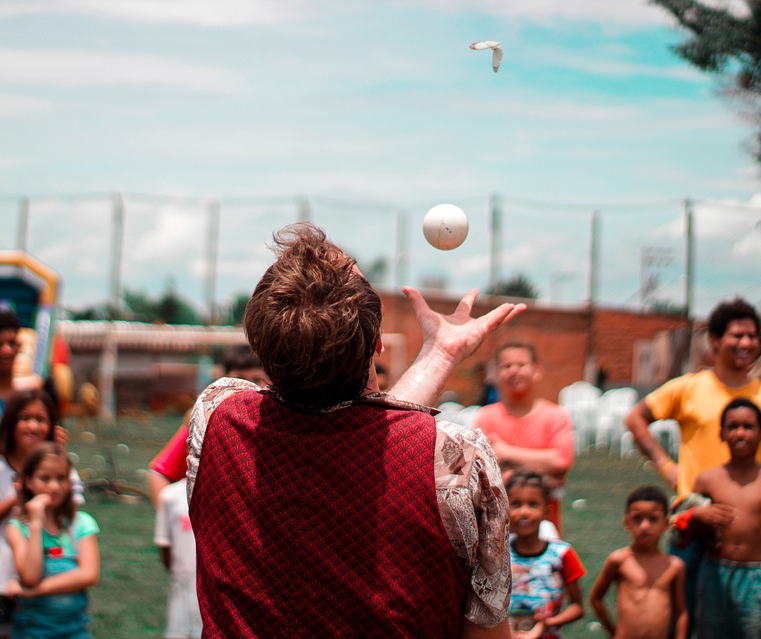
x: 449, y: 411
x: 628, y: 446
x: 615, y: 404
x: 466, y: 415
x: 666, y: 430
x: 581, y: 399
x: 669, y: 435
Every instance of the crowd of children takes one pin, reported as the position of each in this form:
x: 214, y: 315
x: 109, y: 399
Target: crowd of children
x: 50, y: 551
x: 723, y: 512
x: 54, y: 549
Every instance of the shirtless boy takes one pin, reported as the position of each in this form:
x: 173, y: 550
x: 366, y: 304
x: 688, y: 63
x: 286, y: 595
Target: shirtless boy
x: 650, y: 583
x: 729, y: 581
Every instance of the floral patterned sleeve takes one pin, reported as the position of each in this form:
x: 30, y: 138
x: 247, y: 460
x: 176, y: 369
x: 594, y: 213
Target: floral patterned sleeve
x: 476, y: 516
x: 205, y: 405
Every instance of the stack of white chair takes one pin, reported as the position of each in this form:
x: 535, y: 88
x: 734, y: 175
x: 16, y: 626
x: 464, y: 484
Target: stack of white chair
x: 615, y: 404
x: 668, y: 434
x: 466, y: 416
x: 449, y: 411
x: 581, y: 399
x: 665, y: 430
x: 627, y: 445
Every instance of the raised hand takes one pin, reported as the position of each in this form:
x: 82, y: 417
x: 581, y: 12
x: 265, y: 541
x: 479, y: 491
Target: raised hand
x: 447, y: 340
x: 60, y: 435
x: 458, y: 335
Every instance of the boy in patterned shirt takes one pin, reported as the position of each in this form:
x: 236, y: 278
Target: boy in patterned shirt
x: 544, y: 572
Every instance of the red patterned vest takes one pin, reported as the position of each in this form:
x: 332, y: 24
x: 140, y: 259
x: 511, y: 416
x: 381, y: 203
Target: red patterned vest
x: 322, y: 525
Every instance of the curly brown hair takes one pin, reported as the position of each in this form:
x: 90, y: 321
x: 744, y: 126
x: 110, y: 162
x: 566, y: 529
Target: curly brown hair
x: 729, y: 311
x: 313, y: 320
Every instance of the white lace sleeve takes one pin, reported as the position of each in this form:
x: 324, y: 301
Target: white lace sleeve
x: 205, y: 405
x: 476, y: 516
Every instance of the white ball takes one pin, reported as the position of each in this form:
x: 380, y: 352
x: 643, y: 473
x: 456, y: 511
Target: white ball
x: 445, y: 226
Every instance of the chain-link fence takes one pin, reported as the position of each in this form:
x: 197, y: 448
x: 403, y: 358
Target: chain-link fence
x: 669, y: 254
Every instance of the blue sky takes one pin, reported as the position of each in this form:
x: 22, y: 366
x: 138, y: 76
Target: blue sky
x: 373, y: 111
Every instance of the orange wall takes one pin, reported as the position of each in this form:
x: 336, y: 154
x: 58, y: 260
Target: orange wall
x: 562, y: 339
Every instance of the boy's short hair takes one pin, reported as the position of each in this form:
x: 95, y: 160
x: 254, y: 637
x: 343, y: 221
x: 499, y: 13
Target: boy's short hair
x: 648, y: 493
x: 726, y: 312
x: 239, y: 357
x: 314, y: 321
x: 524, y: 477
x: 518, y: 343
x: 9, y: 320
x: 740, y: 402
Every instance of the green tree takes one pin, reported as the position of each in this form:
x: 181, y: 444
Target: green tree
x: 376, y: 270
x: 169, y: 308
x: 172, y: 309
x: 519, y: 285
x: 139, y: 306
x: 725, y: 44
x: 237, y: 309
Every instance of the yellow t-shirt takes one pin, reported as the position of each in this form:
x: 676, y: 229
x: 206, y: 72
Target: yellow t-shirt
x: 696, y: 401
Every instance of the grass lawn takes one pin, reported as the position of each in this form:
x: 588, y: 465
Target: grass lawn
x: 130, y: 600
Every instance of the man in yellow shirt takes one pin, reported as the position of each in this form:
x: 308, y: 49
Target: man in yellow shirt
x: 696, y: 400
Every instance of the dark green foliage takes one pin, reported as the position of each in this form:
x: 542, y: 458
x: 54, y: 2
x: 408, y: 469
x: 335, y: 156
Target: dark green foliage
x: 720, y: 41
x: 519, y: 285
x: 168, y: 308
x: 237, y: 310
x: 723, y: 44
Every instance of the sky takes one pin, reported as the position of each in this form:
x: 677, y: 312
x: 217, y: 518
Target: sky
x: 230, y: 119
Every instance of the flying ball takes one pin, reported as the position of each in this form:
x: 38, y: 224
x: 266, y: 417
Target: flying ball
x: 445, y: 226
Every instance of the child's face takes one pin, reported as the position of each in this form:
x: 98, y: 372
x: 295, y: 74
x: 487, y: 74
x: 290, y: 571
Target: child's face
x: 741, y: 431
x: 528, y: 508
x: 646, y: 522
x: 33, y: 426
x: 517, y: 371
x: 51, y: 477
x: 9, y: 348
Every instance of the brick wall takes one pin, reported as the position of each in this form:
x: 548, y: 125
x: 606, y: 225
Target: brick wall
x: 562, y: 339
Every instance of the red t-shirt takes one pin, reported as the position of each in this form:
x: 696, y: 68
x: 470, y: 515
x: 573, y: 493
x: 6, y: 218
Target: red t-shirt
x: 172, y: 460
x: 546, y: 426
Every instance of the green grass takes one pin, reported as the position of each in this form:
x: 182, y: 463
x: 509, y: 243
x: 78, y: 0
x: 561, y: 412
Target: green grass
x: 130, y: 600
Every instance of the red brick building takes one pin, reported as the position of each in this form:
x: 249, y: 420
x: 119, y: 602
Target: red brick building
x: 143, y: 365
x: 572, y: 343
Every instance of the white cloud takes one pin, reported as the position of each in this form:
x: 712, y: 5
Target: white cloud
x: 163, y: 232
x: 730, y: 220
x: 621, y: 13
x: 77, y: 68
x: 736, y: 7
x: 21, y: 105
x: 221, y: 13
x: 9, y: 163
x: 610, y: 64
